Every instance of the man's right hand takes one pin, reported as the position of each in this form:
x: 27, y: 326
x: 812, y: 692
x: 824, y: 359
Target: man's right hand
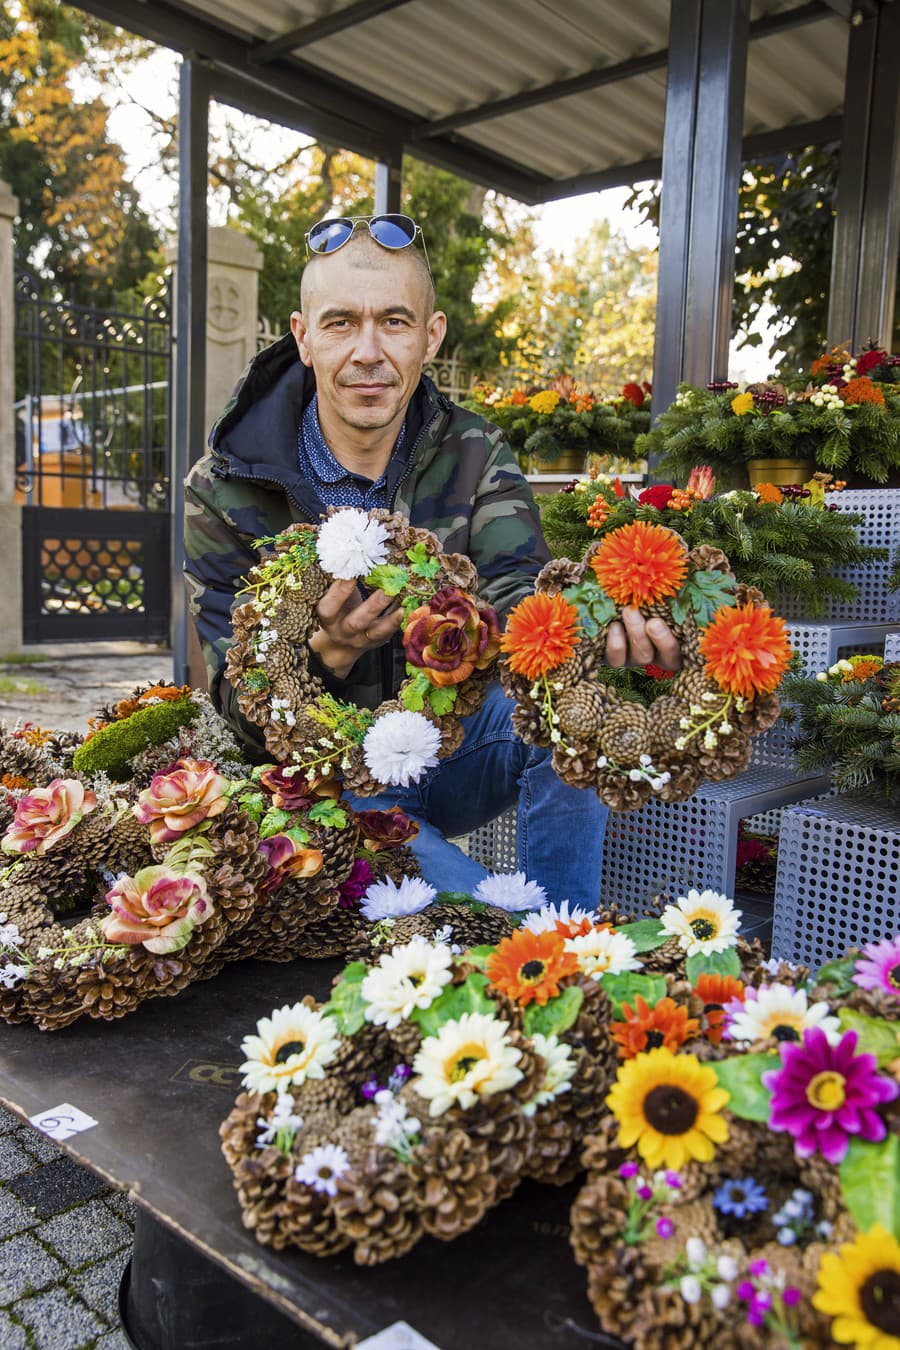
x: 349, y: 625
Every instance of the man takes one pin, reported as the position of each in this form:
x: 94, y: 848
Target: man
x: 353, y: 422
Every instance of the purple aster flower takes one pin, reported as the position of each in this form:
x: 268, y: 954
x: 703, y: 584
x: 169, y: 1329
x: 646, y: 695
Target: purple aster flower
x: 673, y: 1180
x: 352, y: 890
x: 369, y: 1088
x: 740, y: 1198
x: 791, y: 1296
x: 665, y: 1227
x: 745, y: 1290
x: 629, y: 1169
x: 824, y: 1093
x: 758, y: 1268
x: 645, y: 1192
x: 881, y: 968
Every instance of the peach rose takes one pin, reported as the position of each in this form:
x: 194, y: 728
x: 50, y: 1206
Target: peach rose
x: 156, y: 908
x: 46, y: 815
x: 181, y: 798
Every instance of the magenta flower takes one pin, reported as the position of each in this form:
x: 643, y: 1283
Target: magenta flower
x: 881, y: 968
x: 824, y: 1093
x: 355, y: 886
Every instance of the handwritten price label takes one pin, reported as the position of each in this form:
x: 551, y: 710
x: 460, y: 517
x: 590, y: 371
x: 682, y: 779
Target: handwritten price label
x: 61, y: 1122
x: 398, y: 1336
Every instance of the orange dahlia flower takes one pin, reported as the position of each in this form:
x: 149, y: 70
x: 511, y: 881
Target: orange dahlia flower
x: 862, y: 390
x: 716, y: 991
x: 646, y: 1028
x: 746, y: 649
x: 529, y: 966
x: 640, y: 563
x: 541, y: 634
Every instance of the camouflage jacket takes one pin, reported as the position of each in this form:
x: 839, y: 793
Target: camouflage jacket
x: 461, y: 480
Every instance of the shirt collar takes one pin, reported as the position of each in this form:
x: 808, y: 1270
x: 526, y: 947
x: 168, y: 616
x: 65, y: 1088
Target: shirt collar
x: 322, y: 462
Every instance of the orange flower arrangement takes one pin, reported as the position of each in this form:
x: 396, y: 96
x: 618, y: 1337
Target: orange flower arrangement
x: 640, y: 563
x: 529, y: 966
x: 768, y: 492
x: 863, y: 668
x: 716, y: 991
x: 746, y: 649
x: 645, y: 1028
x: 862, y: 390
x: 541, y: 634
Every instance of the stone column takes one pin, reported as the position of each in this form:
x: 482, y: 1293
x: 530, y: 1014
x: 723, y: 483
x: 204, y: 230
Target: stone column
x: 10, y: 512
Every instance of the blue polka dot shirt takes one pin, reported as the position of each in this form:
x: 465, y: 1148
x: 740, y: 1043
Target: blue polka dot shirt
x: 335, y: 485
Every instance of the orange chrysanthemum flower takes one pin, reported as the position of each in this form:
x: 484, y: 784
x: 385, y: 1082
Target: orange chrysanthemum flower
x: 529, y: 966
x: 768, y: 492
x: 646, y: 1028
x: 640, y: 563
x: 864, y: 668
x: 862, y: 390
x: 541, y: 634
x: 15, y: 782
x: 746, y: 649
x: 716, y: 991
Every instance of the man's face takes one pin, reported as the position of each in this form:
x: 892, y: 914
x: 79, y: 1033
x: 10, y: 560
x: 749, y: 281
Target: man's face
x: 366, y: 331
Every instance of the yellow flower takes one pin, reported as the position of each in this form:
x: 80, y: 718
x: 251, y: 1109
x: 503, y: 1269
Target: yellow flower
x: 544, y: 402
x: 742, y: 404
x: 859, y: 1286
x: 670, y: 1106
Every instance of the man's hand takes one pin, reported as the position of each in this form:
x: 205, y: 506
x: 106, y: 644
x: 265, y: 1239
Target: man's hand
x: 637, y: 641
x: 349, y: 626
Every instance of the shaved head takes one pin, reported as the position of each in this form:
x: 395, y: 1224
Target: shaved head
x: 365, y: 256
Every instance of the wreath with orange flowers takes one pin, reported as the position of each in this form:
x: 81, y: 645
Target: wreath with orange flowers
x: 664, y: 739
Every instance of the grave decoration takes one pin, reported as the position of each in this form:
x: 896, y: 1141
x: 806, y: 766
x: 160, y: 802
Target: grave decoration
x: 681, y: 728
x: 450, y: 643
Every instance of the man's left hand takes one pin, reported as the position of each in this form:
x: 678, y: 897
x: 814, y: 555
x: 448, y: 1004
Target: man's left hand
x: 637, y: 641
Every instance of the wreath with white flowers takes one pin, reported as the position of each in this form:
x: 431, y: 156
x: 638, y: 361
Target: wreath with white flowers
x: 450, y: 642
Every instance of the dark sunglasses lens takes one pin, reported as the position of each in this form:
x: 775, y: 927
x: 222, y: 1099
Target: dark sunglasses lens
x: 330, y: 234
x: 393, y: 231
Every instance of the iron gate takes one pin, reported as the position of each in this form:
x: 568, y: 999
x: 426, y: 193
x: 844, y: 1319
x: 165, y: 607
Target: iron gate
x: 93, y: 467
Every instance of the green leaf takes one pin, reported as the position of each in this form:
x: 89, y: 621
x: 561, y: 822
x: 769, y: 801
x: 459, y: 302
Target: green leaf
x: 680, y: 607
x: 422, y: 565
x: 625, y: 988
x: 646, y: 934
x: 298, y: 834
x: 414, y: 694
x: 713, y: 963
x: 452, y: 1002
x: 328, y: 812
x: 254, y: 803
x: 870, y: 1181
x: 274, y: 822
x: 877, y: 1036
x: 347, y: 1005
x: 459, y: 898
x: 706, y: 592
x: 741, y: 1077
x: 479, y: 955
x: 557, y: 1014
x: 441, y: 700
x: 593, y: 604
x: 837, y: 973
x: 388, y: 578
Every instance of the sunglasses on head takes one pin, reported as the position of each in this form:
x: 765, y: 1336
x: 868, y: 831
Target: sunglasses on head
x: 391, y: 231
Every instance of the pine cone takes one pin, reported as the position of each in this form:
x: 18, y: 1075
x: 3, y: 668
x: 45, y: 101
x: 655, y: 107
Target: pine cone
x: 619, y: 792
x: 708, y: 558
x: 761, y: 713
x: 582, y: 709
x: 683, y: 782
x: 666, y: 714
x: 625, y: 735
x: 558, y: 575
x: 729, y: 757
x: 579, y: 769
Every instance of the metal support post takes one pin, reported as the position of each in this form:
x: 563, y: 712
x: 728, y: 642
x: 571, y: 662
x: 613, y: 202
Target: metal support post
x: 388, y: 185
x: 867, y: 228
x: 190, y: 327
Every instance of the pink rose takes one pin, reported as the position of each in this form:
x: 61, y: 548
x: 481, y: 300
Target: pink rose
x: 156, y: 908
x: 288, y: 860
x: 46, y: 815
x: 181, y: 798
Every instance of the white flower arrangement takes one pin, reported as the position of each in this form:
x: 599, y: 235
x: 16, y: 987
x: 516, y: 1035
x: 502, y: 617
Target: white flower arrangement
x: 470, y: 1057
x: 350, y: 544
x: 400, y: 746
x: 558, y: 1072
x: 386, y: 900
x: 395, y: 1128
x: 777, y: 1008
x: 603, y: 952
x: 550, y: 917
x: 511, y: 891
x: 702, y: 921
x: 406, y: 978
x: 294, y: 1044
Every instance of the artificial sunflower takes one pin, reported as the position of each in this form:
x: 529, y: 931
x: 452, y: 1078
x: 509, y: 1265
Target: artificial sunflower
x: 646, y: 1028
x: 746, y: 649
x: 294, y: 1044
x: 529, y: 966
x: 716, y: 991
x: 859, y: 1286
x: 541, y: 633
x: 669, y: 1106
x: 640, y: 563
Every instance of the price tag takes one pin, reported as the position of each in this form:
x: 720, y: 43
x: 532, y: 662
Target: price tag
x: 398, y: 1336
x: 61, y: 1122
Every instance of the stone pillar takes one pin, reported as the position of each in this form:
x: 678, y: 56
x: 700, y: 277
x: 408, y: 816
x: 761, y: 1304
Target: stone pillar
x: 10, y: 512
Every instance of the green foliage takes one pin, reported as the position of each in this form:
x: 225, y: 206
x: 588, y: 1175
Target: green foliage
x: 851, y: 728
x: 556, y: 1015
x: 877, y: 1036
x: 627, y: 987
x: 347, y: 1005
x: 713, y: 963
x: 646, y: 934
x: 452, y: 1002
x: 111, y: 749
x: 741, y: 1077
x: 608, y: 427
x: 870, y: 1182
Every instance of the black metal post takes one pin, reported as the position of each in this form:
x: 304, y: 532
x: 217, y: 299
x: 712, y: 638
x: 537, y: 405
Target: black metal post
x: 189, y: 432
x: 867, y: 228
x: 700, y: 175
x: 388, y: 184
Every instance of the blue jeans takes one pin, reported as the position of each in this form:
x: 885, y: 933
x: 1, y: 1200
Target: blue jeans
x: 560, y: 828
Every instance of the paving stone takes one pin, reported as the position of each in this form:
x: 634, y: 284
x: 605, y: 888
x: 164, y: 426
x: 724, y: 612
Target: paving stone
x: 85, y: 1233
x: 25, y: 1268
x: 14, y: 1217
x: 38, y: 1145
x: 13, y: 1158
x: 99, y: 1285
x: 121, y: 1203
x: 12, y: 1337
x: 8, y: 1122
x: 57, y: 1186
x: 57, y: 1321
x: 113, y: 1340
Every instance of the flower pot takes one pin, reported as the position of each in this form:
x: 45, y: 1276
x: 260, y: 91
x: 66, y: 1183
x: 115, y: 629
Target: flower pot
x: 779, y: 471
x: 567, y: 461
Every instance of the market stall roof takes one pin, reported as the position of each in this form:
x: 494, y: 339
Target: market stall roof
x: 537, y: 98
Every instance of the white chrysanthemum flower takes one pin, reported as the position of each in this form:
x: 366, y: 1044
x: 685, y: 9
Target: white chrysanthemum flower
x: 11, y: 975
x: 321, y: 1168
x: 283, y: 1121
x: 782, y: 1012
x: 550, y: 916
x: 702, y: 921
x: 9, y: 933
x: 511, y: 891
x: 558, y: 1072
x: 400, y: 746
x: 294, y: 1044
x: 394, y: 1127
x: 408, y: 977
x: 386, y: 900
x: 603, y: 952
x: 350, y: 544
x: 470, y: 1057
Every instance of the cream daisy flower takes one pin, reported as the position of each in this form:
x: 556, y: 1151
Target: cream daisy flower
x: 603, y: 952
x: 551, y: 916
x: 350, y: 544
x: 469, y: 1058
x: 322, y: 1167
x: 290, y: 1046
x: 702, y: 921
x: 558, y: 1072
x: 780, y: 1011
x: 408, y: 977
